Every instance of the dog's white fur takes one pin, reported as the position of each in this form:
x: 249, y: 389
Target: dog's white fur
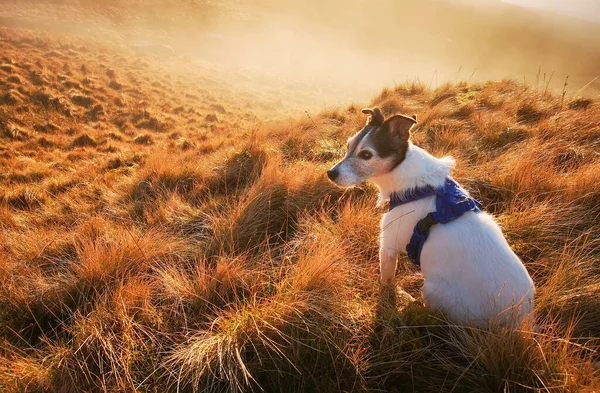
x: 470, y: 271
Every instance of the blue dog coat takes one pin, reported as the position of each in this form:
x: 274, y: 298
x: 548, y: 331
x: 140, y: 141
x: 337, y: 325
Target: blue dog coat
x: 451, y: 202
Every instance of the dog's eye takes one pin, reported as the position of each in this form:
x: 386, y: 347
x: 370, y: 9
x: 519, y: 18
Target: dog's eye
x: 365, y: 155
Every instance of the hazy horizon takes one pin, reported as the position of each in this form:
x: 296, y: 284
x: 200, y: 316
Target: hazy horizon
x: 588, y: 10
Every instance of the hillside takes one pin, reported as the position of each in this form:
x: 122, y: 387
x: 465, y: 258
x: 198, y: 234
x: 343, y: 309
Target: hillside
x: 166, y: 230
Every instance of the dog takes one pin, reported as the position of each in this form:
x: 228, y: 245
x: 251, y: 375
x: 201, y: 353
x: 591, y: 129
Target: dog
x: 471, y: 274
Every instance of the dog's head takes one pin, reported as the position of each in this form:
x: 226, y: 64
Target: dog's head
x: 375, y: 150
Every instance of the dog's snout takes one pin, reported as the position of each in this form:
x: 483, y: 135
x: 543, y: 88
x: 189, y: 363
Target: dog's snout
x: 332, y: 174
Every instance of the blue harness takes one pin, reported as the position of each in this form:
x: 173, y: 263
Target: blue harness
x: 451, y: 202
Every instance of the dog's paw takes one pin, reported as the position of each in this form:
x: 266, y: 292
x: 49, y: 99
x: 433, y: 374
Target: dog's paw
x: 387, y: 294
x: 403, y: 298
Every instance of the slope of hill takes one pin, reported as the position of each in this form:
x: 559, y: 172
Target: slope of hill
x: 158, y: 235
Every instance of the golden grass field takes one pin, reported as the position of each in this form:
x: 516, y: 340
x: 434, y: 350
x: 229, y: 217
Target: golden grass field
x: 169, y: 229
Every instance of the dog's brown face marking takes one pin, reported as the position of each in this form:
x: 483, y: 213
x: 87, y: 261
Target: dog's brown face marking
x: 375, y: 150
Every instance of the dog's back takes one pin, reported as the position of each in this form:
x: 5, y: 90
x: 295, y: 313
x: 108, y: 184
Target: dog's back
x: 478, y: 278
x: 470, y: 271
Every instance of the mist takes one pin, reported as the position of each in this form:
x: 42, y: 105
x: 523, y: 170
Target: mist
x: 346, y: 51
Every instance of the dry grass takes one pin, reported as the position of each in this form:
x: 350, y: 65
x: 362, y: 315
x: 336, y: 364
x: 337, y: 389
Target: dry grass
x: 144, y: 248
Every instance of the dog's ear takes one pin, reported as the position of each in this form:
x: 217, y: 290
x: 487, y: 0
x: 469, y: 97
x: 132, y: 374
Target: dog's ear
x: 376, y: 117
x: 400, y: 125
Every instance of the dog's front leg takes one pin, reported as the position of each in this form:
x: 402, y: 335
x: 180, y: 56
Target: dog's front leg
x: 387, y: 265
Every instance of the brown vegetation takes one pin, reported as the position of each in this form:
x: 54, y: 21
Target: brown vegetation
x: 129, y: 262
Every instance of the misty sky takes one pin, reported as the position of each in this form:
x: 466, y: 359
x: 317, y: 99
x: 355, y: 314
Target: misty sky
x: 584, y: 9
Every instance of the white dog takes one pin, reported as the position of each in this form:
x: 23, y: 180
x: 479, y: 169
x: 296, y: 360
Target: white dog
x: 470, y: 271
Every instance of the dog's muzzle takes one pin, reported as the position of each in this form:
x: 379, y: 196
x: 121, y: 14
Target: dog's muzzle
x: 332, y: 174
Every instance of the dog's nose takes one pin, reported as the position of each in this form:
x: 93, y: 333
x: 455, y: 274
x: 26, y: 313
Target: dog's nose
x: 332, y: 174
